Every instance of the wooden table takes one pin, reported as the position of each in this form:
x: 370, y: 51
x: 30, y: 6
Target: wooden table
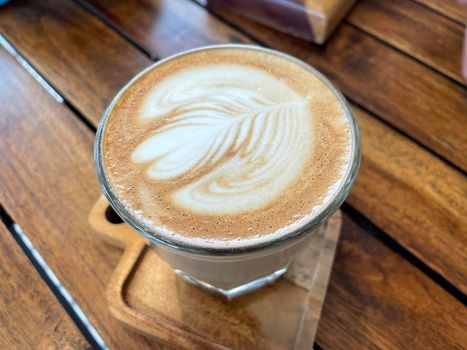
x: 400, y: 275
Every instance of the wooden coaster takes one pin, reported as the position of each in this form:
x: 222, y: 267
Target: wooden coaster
x: 145, y: 294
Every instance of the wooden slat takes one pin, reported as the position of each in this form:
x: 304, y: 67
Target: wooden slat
x: 373, y: 75
x: 412, y: 97
x: 30, y: 316
x: 165, y: 27
x: 414, y: 29
x: 54, y: 36
x: 450, y: 8
x: 437, y: 121
x: 415, y: 197
x: 72, y: 200
x: 378, y: 295
x: 383, y: 177
x: 48, y: 185
x: 412, y: 203
x: 397, y: 188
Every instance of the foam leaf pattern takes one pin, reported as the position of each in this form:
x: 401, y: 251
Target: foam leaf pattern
x: 234, y: 137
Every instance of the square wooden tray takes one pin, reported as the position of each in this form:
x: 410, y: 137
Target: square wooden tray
x: 145, y: 294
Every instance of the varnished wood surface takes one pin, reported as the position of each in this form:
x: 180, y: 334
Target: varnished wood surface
x: 420, y: 102
x: 400, y: 186
x: 30, y: 316
x: 412, y: 311
x: 403, y: 189
x: 66, y: 182
x: 400, y: 23
x: 377, y: 299
x: 368, y: 71
x: 449, y: 8
x: 164, y: 28
x: 388, y: 190
x: 48, y: 186
x: 54, y: 36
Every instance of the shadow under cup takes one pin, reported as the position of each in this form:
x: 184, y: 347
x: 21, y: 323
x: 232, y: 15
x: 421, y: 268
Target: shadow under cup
x: 233, y: 271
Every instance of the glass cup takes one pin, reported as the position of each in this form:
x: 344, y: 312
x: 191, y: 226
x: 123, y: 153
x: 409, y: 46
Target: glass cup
x: 233, y: 271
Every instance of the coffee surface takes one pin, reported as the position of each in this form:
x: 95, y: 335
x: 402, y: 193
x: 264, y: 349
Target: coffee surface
x: 225, y: 147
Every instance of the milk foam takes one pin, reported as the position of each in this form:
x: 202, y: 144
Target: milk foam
x: 246, y: 132
x: 226, y: 147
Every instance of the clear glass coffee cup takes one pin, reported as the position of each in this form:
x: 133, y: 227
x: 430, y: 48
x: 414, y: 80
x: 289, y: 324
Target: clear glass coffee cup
x: 235, y: 270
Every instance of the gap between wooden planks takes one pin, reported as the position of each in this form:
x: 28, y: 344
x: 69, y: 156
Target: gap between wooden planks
x: 47, y: 185
x: 409, y: 95
x: 416, y: 30
x: 83, y: 27
x: 414, y: 204
x: 52, y: 186
x: 401, y: 187
x: 30, y: 317
x: 450, y: 8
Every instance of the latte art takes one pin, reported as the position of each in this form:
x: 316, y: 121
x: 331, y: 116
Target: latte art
x: 225, y: 147
x: 235, y: 141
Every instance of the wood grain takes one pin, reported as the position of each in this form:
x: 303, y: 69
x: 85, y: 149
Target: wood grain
x: 31, y: 210
x: 415, y: 197
x: 450, y: 8
x: 48, y: 185
x: 165, y: 27
x: 372, y: 289
x: 401, y: 187
x: 46, y: 160
x: 410, y: 96
x: 145, y: 294
x: 55, y: 37
x: 401, y: 22
x: 384, y: 176
x: 412, y: 203
x: 30, y: 315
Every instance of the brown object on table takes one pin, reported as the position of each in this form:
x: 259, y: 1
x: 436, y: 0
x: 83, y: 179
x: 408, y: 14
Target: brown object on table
x: 398, y: 280
x: 144, y: 293
x: 312, y: 20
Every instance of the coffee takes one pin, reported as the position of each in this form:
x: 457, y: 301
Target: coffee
x: 226, y: 147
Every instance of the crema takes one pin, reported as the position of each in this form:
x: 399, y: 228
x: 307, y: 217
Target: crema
x: 225, y: 147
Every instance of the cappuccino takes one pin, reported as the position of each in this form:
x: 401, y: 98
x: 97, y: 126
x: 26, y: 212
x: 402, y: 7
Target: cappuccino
x: 226, y: 147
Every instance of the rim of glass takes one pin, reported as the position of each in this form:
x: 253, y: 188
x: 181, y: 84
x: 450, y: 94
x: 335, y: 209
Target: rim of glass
x: 322, y: 216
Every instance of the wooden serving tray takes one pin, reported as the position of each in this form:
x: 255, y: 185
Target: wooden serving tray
x: 145, y: 294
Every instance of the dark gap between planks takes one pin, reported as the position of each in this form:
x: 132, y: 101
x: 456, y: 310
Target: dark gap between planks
x: 261, y: 43
x: 42, y: 80
x: 96, y: 13
x: 89, y: 332
x: 354, y: 213
x: 80, y: 115
x: 405, y: 54
x: 390, y: 242
x: 455, y: 20
x: 409, y: 137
